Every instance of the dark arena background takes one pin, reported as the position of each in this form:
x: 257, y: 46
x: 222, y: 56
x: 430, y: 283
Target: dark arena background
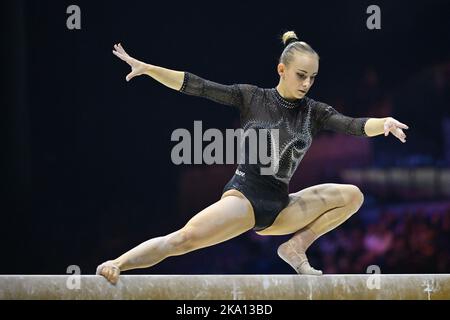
x: 87, y: 171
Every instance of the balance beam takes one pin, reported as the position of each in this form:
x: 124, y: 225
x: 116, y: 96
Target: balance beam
x: 227, y: 287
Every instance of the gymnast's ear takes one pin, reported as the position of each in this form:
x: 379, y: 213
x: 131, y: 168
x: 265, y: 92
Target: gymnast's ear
x: 281, y: 69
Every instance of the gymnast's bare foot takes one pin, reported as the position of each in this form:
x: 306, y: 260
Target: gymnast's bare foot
x: 109, y: 270
x: 296, y: 260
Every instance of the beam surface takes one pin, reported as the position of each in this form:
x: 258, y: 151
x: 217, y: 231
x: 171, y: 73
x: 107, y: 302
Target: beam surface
x: 227, y: 287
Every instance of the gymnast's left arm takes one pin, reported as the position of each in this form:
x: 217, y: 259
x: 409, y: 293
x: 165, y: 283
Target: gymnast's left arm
x: 329, y: 119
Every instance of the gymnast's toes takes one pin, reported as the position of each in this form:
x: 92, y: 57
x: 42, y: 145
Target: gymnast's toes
x: 297, y: 260
x: 109, y: 270
x: 306, y: 268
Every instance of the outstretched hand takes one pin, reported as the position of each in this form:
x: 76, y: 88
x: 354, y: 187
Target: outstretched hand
x: 137, y: 67
x: 395, y: 127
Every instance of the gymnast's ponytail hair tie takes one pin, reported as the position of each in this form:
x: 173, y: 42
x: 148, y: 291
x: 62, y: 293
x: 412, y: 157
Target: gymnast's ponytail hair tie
x: 291, y: 40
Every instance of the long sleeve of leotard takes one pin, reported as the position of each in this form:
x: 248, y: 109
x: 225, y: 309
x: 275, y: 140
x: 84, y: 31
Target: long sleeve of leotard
x: 237, y: 95
x: 328, y: 118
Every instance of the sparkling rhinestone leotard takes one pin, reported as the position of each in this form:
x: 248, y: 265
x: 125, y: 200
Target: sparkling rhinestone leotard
x: 297, y: 123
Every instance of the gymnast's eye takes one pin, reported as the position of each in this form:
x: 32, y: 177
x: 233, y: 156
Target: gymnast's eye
x: 301, y: 76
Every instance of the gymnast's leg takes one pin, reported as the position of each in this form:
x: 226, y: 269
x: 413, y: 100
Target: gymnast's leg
x: 311, y: 213
x: 229, y: 217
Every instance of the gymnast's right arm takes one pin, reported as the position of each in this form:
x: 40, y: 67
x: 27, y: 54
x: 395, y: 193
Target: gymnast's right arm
x: 170, y: 78
x: 188, y: 83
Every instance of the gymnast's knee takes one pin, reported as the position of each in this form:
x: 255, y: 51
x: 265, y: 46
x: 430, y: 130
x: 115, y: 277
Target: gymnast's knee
x: 355, y: 198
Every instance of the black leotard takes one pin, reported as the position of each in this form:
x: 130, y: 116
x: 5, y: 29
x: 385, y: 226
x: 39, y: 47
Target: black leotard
x: 297, y: 121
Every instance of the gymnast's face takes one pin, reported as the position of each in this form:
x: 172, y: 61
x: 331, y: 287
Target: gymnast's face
x: 298, y: 77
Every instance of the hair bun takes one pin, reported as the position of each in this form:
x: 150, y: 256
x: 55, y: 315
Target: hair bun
x: 289, y: 37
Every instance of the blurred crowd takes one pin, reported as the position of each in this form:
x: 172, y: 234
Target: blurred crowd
x: 413, y: 240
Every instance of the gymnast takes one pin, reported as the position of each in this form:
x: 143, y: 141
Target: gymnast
x: 251, y: 200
